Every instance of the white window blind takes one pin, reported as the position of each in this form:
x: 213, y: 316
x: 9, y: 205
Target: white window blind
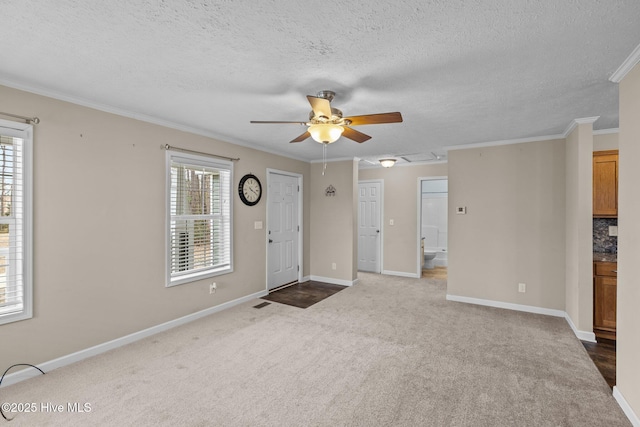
x: 199, y: 232
x: 15, y: 282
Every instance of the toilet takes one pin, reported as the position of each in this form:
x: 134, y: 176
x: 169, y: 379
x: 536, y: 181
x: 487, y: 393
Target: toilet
x: 429, y: 256
x: 430, y: 243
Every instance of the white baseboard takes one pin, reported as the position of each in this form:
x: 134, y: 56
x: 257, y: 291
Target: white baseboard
x: 507, y: 305
x: 305, y: 279
x: 333, y: 281
x: 401, y: 274
x: 626, y: 408
x: 119, y: 342
x: 582, y: 335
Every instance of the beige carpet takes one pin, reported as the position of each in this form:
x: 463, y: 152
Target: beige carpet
x: 386, y: 352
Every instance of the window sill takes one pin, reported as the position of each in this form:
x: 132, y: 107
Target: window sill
x: 193, y: 277
x: 15, y: 317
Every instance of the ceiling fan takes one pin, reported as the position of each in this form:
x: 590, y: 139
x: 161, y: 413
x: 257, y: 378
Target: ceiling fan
x: 326, y: 123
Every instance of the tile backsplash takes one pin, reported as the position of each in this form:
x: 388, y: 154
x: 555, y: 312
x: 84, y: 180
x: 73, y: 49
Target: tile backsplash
x: 602, y: 242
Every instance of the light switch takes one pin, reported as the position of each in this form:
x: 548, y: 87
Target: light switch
x: 391, y: 222
x: 613, y: 230
x: 257, y: 225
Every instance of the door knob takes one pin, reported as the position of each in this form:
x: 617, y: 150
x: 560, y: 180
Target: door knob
x: 270, y: 241
x: 377, y: 231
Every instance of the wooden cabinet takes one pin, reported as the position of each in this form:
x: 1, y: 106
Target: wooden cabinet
x: 605, y: 184
x: 604, y: 299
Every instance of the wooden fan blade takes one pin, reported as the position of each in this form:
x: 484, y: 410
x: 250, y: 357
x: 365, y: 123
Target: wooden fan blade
x: 375, y: 119
x: 355, y: 135
x: 259, y: 121
x: 301, y: 137
x: 320, y: 106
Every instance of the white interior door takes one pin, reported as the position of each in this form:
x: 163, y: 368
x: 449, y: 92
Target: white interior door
x: 282, y: 252
x: 369, y: 239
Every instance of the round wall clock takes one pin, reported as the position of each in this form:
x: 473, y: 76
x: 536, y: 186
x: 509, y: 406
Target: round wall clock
x: 250, y: 190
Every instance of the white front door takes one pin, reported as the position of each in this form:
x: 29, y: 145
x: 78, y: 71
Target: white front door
x: 282, y: 253
x: 369, y: 239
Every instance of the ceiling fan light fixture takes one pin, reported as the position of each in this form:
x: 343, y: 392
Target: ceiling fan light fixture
x: 325, y: 132
x: 387, y: 163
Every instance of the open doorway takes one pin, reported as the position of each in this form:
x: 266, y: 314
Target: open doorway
x: 433, y: 227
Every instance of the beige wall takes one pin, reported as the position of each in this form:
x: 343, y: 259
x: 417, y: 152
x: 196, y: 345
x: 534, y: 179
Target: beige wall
x: 579, y: 227
x: 608, y: 141
x: 400, y: 249
x: 628, y: 325
x: 333, y: 221
x: 514, y: 229
x: 99, y: 229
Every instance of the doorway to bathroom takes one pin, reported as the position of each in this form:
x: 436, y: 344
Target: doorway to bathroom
x: 432, y: 225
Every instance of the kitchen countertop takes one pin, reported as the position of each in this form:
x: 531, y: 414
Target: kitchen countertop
x: 605, y: 257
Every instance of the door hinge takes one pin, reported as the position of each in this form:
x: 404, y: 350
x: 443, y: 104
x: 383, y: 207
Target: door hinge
x: 298, y: 188
x: 298, y: 229
x: 298, y: 268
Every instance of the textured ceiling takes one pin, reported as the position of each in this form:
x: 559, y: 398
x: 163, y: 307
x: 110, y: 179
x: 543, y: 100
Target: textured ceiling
x: 460, y: 72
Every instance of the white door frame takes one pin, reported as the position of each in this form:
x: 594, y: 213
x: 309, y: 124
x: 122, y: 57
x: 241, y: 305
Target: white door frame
x: 300, y: 223
x: 381, y: 216
x: 420, y: 256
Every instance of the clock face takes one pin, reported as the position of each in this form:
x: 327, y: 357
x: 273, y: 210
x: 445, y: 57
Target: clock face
x: 250, y: 190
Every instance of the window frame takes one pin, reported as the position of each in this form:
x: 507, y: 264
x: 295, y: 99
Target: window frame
x: 24, y: 132
x: 209, y: 162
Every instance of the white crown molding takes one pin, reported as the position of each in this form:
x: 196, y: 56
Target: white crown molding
x: 138, y: 116
x: 405, y: 164
x: 339, y: 159
x: 504, y: 142
x: 420, y: 163
x: 572, y: 125
x: 627, y: 65
x: 576, y: 122
x: 606, y: 131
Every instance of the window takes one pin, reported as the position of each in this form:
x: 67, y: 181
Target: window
x: 15, y: 222
x: 199, y: 217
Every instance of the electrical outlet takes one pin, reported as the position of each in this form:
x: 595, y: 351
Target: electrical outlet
x: 522, y: 287
x: 333, y: 266
x: 212, y: 288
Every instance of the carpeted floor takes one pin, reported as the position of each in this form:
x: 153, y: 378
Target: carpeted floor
x: 388, y: 351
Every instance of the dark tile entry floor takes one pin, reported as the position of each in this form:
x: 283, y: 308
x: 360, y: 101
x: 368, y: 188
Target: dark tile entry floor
x: 304, y: 294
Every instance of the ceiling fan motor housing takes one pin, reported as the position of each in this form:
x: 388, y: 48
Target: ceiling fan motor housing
x: 336, y: 117
x: 326, y: 124
x: 326, y: 94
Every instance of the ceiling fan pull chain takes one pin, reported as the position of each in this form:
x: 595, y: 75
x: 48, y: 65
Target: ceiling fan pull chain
x: 324, y: 158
